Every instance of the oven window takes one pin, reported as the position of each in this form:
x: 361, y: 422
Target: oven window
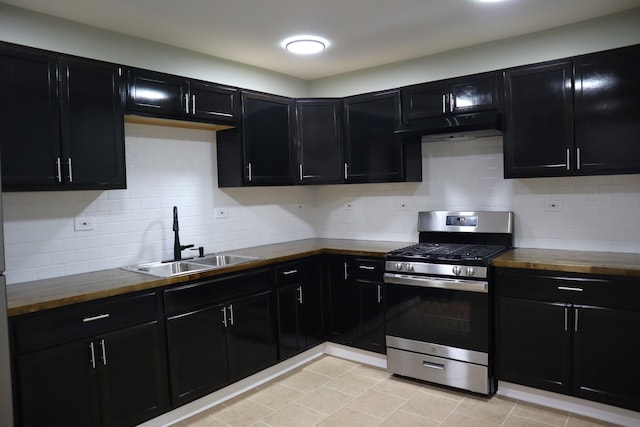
x: 447, y: 317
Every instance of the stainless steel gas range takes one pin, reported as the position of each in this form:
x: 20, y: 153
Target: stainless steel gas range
x: 438, y: 292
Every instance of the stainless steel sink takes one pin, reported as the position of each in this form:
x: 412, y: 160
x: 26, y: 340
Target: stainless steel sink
x: 178, y: 268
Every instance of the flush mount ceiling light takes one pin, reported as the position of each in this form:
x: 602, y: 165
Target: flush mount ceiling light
x: 305, y: 45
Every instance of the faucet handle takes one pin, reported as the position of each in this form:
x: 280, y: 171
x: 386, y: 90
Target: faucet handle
x: 200, y: 250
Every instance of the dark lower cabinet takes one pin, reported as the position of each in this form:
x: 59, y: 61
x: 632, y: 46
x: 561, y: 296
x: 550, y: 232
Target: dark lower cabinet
x: 570, y: 333
x: 300, y: 306
x: 116, y: 379
x: 218, y: 332
x: 356, y: 293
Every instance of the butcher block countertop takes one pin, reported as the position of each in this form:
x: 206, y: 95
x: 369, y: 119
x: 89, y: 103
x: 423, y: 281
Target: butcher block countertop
x: 606, y: 263
x: 29, y: 297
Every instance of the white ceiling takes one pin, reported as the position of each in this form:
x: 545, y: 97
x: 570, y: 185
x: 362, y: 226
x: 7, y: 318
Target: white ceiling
x: 363, y: 33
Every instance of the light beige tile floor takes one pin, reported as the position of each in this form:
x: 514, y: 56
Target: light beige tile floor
x: 331, y: 392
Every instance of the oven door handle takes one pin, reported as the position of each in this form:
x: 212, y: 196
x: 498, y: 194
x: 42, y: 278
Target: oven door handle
x: 437, y: 282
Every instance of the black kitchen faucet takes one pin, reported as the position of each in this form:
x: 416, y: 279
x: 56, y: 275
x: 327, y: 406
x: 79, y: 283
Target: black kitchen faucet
x: 177, y: 247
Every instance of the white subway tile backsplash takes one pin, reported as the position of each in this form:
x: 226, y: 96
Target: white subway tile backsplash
x: 169, y: 167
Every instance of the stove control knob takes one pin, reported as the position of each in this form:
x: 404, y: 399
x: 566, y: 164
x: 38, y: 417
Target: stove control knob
x: 470, y: 271
x: 398, y: 266
x: 457, y: 270
x: 410, y: 267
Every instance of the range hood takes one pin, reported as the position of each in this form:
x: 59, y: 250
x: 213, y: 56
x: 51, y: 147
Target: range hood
x: 455, y: 127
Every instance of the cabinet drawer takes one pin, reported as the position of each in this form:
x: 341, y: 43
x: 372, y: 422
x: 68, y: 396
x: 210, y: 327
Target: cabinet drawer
x: 207, y: 292
x: 82, y: 320
x: 368, y: 269
x: 289, y: 274
x: 574, y: 288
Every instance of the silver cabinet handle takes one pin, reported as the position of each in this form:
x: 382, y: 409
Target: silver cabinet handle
x: 578, y: 161
x: 59, y: 167
x: 224, y: 316
x: 186, y: 103
x: 249, y: 173
x: 568, y: 158
x: 300, y: 294
x: 92, y: 353
x: 570, y: 288
x: 346, y: 173
x: 104, y: 352
x: 300, y: 171
x: 70, y: 169
x: 193, y: 104
x: 566, y: 319
x: 444, y: 104
x: 379, y: 294
x: 575, y: 320
x: 452, y: 102
x: 346, y: 274
x: 366, y: 267
x: 94, y: 318
x: 231, y: 314
x: 286, y: 273
x: 432, y: 365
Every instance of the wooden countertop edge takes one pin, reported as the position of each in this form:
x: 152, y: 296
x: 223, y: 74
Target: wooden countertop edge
x: 149, y: 282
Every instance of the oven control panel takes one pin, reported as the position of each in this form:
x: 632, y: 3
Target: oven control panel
x: 438, y: 269
x: 462, y: 221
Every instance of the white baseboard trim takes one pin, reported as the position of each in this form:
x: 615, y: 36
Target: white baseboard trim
x: 587, y: 408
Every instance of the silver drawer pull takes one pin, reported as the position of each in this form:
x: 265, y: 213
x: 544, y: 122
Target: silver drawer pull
x: 98, y: 317
x: 366, y: 267
x: 286, y: 273
x: 569, y: 288
x: 433, y: 365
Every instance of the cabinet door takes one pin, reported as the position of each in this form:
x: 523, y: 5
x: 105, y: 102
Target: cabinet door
x: 92, y: 125
x: 197, y: 353
x: 250, y: 335
x: 29, y: 119
x: 156, y: 94
x: 373, y: 150
x: 425, y: 100
x: 606, y: 355
x: 607, y: 101
x: 371, y: 333
x: 58, y: 387
x: 538, y: 134
x: 213, y: 103
x: 312, y: 327
x: 132, y: 375
x: 266, y: 139
x: 290, y: 339
x: 534, y: 344
x: 319, y: 141
x: 474, y: 93
x: 342, y: 298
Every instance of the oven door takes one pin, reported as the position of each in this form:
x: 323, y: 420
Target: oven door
x: 448, y: 312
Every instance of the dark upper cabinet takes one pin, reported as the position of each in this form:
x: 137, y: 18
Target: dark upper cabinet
x: 373, y: 152
x: 573, y: 117
x: 259, y: 151
x: 318, y: 141
x: 478, y: 92
x: 161, y: 95
x: 556, y: 332
x: 538, y: 133
x: 607, y: 102
x: 64, y: 128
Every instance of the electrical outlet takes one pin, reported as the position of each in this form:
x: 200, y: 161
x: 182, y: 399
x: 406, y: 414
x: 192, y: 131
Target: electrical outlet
x: 222, y: 213
x: 82, y: 223
x: 553, y: 205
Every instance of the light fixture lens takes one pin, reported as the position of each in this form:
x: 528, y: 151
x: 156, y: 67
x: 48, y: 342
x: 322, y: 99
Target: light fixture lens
x: 305, y: 45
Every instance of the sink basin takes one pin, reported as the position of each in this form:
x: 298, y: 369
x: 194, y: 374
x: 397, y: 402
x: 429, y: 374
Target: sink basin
x: 221, y: 260
x: 177, y: 268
